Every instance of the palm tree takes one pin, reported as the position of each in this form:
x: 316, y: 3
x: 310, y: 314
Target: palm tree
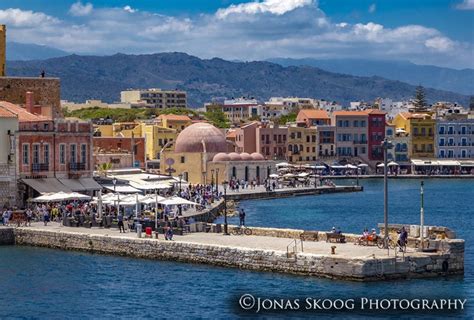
x: 104, y: 168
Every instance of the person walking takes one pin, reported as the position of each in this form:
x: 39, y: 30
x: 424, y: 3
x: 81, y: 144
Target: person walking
x: 242, y: 217
x: 46, y: 217
x: 120, y: 222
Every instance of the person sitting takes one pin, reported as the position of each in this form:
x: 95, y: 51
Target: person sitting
x: 333, y: 230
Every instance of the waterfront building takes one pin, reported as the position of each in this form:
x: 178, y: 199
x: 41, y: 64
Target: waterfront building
x: 375, y: 134
x: 72, y: 106
x: 455, y: 139
x: 312, y: 117
x: 420, y: 127
x: 271, y: 141
x: 201, y: 149
x: 351, y: 134
x: 52, y: 154
x: 121, y: 152
x: 8, y: 161
x: 246, y: 137
x: 154, y: 98
x: 327, y: 144
x: 401, y: 144
x: 302, y: 143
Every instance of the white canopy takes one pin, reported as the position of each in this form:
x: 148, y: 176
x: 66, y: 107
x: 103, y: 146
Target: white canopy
x: 350, y: 166
x: 381, y: 165
x: 338, y: 167
x: 303, y: 174
x: 273, y: 175
x: 61, y: 196
x: 149, y: 186
x: 152, y: 199
x: 122, y: 188
x: 173, y: 201
x: 320, y: 167
x: 289, y: 175
x: 362, y: 165
x: 283, y: 164
x: 392, y: 164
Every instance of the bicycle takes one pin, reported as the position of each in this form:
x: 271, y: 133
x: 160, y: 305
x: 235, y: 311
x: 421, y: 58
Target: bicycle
x: 391, y: 244
x: 238, y: 231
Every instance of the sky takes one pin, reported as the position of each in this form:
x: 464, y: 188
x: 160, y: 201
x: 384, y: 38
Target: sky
x: 436, y: 32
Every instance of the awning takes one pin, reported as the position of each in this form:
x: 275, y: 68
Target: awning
x: 72, y: 184
x: 467, y: 163
x: 47, y: 185
x: 90, y: 184
x: 441, y: 163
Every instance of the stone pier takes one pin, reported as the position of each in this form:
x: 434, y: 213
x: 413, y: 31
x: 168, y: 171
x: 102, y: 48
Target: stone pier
x: 274, y: 250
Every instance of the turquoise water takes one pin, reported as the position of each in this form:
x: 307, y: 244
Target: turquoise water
x: 48, y: 284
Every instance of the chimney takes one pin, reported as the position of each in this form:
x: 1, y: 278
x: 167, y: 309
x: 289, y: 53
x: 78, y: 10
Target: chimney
x: 29, y: 102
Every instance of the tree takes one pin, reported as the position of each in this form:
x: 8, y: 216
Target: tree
x: 104, y: 168
x: 420, y: 99
x: 217, y: 118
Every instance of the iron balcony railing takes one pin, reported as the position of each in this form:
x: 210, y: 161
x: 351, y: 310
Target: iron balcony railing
x: 77, y: 166
x: 40, y: 167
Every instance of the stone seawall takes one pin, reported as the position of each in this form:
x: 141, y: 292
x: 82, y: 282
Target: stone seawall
x: 358, y: 269
x: 7, y: 236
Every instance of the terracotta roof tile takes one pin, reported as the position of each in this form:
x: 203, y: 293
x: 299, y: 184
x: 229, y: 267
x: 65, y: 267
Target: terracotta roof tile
x: 4, y: 113
x: 23, y: 115
x: 349, y: 113
x: 314, y: 114
x: 174, y: 117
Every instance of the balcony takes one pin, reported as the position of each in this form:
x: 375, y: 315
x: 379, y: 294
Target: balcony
x: 39, y: 167
x: 77, y: 166
x: 360, y: 141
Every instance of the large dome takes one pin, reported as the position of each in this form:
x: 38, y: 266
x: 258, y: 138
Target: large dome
x: 191, y: 138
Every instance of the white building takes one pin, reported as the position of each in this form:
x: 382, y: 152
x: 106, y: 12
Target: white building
x: 8, y: 161
x: 154, y: 98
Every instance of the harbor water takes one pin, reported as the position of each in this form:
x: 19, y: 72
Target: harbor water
x: 41, y: 283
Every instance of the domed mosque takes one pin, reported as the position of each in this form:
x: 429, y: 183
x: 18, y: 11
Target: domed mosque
x: 202, y: 155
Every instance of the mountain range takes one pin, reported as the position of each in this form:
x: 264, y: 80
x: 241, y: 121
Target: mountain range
x: 461, y: 81
x: 103, y: 77
x: 30, y: 51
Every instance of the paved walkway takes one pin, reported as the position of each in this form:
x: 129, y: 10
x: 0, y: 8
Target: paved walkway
x: 346, y: 250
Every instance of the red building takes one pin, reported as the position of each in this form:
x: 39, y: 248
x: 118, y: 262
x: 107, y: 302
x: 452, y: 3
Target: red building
x: 52, y: 154
x: 376, y: 134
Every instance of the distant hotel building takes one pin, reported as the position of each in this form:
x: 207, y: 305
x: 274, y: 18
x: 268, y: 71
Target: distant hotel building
x: 237, y: 110
x: 154, y: 98
x: 455, y: 139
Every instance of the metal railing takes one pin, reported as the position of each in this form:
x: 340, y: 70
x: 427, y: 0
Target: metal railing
x: 39, y: 167
x: 76, y: 166
x: 292, y: 248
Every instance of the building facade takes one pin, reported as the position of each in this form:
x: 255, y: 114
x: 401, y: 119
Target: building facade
x: 8, y: 164
x: 271, y: 141
x: 155, y: 98
x: 455, y: 139
x: 376, y: 134
x: 351, y: 133
x: 175, y: 122
x: 114, y: 146
x: 420, y: 127
x: 302, y: 143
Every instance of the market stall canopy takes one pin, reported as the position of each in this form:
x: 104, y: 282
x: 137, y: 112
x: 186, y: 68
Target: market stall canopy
x: 83, y: 184
x: 319, y: 167
x: 173, y: 201
x: 467, y: 163
x: 338, y: 167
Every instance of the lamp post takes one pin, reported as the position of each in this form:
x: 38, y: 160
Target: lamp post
x: 117, y: 200
x: 357, y: 174
x: 422, y: 214
x: 224, y: 184
x: 180, y: 178
x: 385, y: 145
x: 156, y: 213
x: 217, y: 181
x: 212, y: 180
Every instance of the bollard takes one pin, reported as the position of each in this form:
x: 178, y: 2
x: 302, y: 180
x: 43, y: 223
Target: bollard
x: 156, y: 234
x: 139, y: 230
x: 333, y: 249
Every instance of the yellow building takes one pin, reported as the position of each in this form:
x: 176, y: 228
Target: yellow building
x: 156, y: 136
x: 420, y: 128
x: 302, y: 143
x: 173, y: 121
x: 157, y: 139
x: 3, y: 45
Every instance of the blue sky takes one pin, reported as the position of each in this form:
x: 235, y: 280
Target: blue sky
x: 439, y: 32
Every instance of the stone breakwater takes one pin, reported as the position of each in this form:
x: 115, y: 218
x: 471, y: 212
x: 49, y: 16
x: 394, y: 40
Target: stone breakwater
x: 450, y: 261
x: 7, y: 236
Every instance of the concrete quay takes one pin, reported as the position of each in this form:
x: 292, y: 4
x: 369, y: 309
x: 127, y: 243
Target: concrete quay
x: 261, y: 252
x: 403, y: 176
x: 261, y: 193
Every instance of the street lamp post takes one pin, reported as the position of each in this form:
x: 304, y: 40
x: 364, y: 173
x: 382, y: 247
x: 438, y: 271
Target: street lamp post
x: 212, y: 180
x: 357, y: 174
x: 224, y: 184
x: 385, y: 145
x: 217, y: 181
x: 117, y: 200
x: 422, y: 215
x: 180, y: 178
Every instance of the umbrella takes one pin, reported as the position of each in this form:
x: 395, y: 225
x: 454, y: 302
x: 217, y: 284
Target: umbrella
x: 392, y: 164
x: 282, y: 164
x: 380, y: 165
x: 61, y: 196
x: 289, y: 175
x: 350, y: 166
x: 303, y: 174
x: 320, y: 167
x: 174, y: 201
x: 152, y: 199
x: 149, y: 186
x: 273, y: 175
x: 362, y: 165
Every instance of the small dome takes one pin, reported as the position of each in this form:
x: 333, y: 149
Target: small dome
x: 191, y: 139
x: 257, y: 156
x: 234, y: 156
x: 245, y: 156
x: 221, y: 157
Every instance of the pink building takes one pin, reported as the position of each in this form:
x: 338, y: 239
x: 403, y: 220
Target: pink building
x: 268, y: 139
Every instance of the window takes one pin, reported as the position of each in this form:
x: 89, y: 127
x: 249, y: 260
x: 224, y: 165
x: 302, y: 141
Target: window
x: 441, y: 129
x: 307, y: 138
x: 450, y: 130
x: 26, y: 153
x: 441, y: 154
x: 389, y: 132
x: 463, y: 153
x: 339, y: 123
x: 183, y: 160
x: 363, y: 124
x: 356, y: 123
x: 441, y: 142
x: 46, y: 153
x: 346, y: 123
x: 463, y: 130
x: 62, y: 153
x: 298, y: 135
x: 36, y: 151
x: 73, y: 153
x: 83, y: 153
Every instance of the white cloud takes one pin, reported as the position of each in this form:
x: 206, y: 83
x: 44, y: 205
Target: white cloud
x: 271, y: 30
x: 25, y: 18
x: 466, y: 5
x: 372, y: 8
x: 277, y: 7
x: 78, y: 9
x: 129, y: 9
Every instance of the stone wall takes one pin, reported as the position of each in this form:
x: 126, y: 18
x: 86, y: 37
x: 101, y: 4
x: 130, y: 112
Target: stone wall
x: 46, y: 91
x: 7, y: 236
x: 363, y: 269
